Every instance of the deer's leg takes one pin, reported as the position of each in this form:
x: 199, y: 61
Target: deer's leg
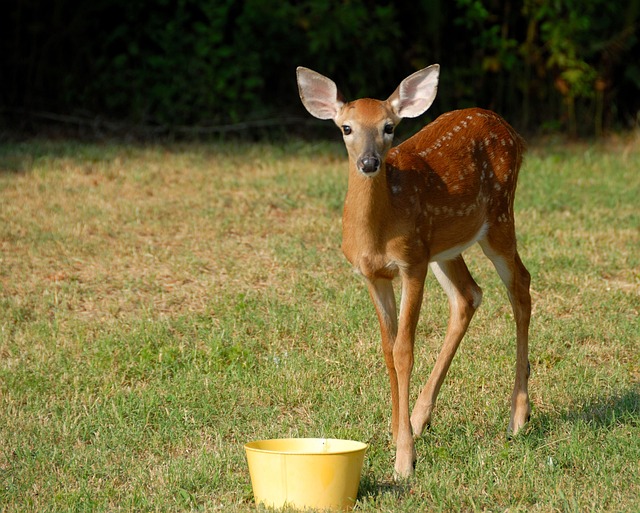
x: 464, y: 298
x: 412, y: 290
x: 383, y: 297
x: 517, y: 279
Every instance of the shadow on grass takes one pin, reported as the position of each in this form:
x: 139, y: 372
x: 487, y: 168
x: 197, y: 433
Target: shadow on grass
x: 23, y: 156
x: 598, y: 413
x: 20, y: 157
x: 610, y: 410
x: 371, y: 487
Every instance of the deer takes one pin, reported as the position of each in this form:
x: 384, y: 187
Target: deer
x: 419, y: 206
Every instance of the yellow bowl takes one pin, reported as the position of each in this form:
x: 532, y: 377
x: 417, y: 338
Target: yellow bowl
x: 319, y: 473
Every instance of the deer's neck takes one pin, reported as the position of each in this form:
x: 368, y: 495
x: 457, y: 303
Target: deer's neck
x: 366, y: 207
x: 365, y: 218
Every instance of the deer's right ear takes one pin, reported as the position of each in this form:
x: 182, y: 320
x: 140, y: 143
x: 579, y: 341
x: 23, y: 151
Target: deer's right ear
x: 416, y: 93
x: 319, y: 94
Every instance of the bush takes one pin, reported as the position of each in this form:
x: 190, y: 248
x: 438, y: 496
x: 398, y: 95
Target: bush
x: 564, y: 64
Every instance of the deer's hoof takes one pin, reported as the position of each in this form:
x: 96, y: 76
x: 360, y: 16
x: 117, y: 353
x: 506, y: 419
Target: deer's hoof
x: 405, y: 465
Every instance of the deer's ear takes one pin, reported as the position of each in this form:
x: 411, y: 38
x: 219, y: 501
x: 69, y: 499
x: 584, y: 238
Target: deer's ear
x: 319, y: 94
x: 416, y: 93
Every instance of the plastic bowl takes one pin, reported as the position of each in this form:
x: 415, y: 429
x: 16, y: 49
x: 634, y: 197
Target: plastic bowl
x: 318, y: 473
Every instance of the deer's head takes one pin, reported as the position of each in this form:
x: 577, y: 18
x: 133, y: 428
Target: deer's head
x: 368, y: 125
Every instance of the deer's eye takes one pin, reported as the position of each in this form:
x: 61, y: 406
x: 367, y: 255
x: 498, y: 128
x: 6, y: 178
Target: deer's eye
x: 388, y: 128
x: 346, y: 129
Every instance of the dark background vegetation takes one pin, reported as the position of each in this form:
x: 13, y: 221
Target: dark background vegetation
x: 211, y: 66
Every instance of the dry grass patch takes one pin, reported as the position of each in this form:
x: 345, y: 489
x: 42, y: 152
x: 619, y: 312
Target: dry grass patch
x: 148, y: 231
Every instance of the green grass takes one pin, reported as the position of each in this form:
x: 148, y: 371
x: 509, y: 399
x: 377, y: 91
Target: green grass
x: 160, y: 306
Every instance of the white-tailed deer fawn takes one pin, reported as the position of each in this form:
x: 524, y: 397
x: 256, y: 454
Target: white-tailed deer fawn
x: 420, y: 205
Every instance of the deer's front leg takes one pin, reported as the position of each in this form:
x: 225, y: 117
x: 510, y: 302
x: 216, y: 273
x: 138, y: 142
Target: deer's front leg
x: 412, y: 290
x: 383, y: 297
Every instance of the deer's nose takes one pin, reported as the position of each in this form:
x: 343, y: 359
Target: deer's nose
x: 369, y: 164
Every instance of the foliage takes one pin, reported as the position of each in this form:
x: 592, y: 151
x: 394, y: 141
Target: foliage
x: 560, y: 63
x: 584, y: 45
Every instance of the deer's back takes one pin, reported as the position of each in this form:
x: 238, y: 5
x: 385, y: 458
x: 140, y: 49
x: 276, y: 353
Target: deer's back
x: 462, y: 169
x: 468, y: 153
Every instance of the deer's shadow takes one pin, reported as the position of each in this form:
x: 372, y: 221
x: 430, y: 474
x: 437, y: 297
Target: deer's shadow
x: 598, y: 413
x: 601, y: 412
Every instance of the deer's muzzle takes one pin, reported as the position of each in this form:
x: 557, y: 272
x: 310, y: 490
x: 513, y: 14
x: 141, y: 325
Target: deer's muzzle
x: 369, y: 164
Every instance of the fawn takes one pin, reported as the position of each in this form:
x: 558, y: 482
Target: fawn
x: 419, y: 205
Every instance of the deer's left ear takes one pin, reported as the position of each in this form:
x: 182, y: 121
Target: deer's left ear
x: 416, y: 93
x: 319, y: 94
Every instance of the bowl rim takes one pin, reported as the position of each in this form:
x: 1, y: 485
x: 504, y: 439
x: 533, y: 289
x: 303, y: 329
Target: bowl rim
x: 360, y: 446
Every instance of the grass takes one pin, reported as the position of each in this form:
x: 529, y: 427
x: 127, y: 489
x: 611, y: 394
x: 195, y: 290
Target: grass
x: 162, y: 305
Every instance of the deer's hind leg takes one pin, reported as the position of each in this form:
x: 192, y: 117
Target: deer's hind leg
x: 465, y: 297
x: 517, y: 280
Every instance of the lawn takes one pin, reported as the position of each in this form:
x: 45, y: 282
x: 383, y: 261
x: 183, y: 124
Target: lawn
x: 161, y: 305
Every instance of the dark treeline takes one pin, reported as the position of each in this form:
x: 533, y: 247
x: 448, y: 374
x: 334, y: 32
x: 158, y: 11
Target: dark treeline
x: 547, y: 65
